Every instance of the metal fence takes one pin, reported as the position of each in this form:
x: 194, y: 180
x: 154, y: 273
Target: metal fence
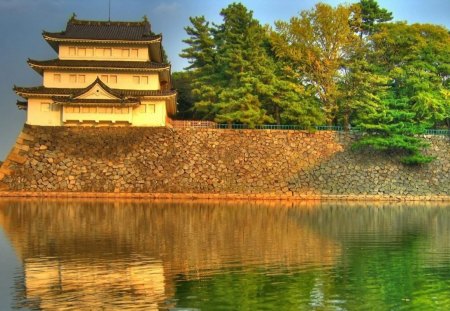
x: 214, y: 125
x: 193, y: 124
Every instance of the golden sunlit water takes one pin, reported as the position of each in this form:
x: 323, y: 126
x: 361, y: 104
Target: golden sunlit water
x: 147, y: 255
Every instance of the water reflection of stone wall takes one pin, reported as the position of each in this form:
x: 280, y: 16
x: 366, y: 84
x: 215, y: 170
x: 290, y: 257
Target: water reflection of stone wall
x: 159, y: 160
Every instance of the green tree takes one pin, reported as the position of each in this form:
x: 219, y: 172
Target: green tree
x: 236, y: 77
x: 201, y: 55
x: 415, y: 58
x: 244, y: 67
x: 360, y: 86
x: 182, y: 83
x: 317, y: 43
x: 372, y: 16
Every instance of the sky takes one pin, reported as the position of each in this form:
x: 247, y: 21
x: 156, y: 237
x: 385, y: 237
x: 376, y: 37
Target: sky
x: 22, y: 23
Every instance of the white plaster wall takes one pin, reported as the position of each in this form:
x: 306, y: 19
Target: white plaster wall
x: 38, y: 114
x: 97, y: 114
x: 150, y: 113
x: 135, y: 53
x: 115, y: 80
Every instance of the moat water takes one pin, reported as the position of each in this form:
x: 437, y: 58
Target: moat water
x: 127, y: 255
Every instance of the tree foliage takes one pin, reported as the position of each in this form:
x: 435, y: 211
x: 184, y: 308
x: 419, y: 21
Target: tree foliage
x: 372, y: 16
x: 346, y: 65
x: 236, y: 78
x: 415, y: 59
x: 317, y: 43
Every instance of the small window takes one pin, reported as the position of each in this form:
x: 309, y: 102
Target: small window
x: 101, y: 109
x: 73, y: 78
x: 68, y: 109
x: 76, y: 109
x: 142, y: 109
x: 151, y: 108
x: 85, y: 109
x: 126, y: 53
x: 107, y: 52
x: 104, y: 78
x: 45, y: 107
x: 92, y: 109
x: 57, y: 77
x: 81, y: 51
x: 81, y: 78
x: 144, y: 80
x: 136, y: 79
x: 113, y: 79
x: 89, y: 52
x: 134, y: 53
x: 72, y: 51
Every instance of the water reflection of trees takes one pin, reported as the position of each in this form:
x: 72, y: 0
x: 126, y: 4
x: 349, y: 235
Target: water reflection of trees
x: 388, y: 223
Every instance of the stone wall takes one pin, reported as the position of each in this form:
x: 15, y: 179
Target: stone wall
x: 163, y: 160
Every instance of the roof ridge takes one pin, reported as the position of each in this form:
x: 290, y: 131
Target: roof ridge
x: 74, y: 21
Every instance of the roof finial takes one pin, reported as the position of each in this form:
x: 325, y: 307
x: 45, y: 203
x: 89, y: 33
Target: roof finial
x: 109, y: 11
x: 73, y: 17
x: 145, y: 18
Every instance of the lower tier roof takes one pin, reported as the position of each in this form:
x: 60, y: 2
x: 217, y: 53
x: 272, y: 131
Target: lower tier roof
x: 39, y: 91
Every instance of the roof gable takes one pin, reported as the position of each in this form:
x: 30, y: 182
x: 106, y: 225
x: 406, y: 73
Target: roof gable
x: 96, y: 90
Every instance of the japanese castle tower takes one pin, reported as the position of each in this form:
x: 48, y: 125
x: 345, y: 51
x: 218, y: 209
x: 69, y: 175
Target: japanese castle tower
x: 107, y: 73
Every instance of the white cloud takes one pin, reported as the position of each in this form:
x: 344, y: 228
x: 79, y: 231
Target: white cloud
x: 167, y: 7
x: 27, y: 4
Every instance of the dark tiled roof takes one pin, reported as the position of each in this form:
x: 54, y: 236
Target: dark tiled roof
x: 22, y: 105
x: 105, y: 30
x: 95, y: 102
x: 87, y: 64
x: 42, y: 90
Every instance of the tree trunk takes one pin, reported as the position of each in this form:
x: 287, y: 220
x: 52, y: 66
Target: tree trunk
x: 346, y: 123
x: 277, y: 115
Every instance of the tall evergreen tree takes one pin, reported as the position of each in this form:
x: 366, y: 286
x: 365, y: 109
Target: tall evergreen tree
x: 201, y: 55
x: 372, y: 16
x: 237, y: 78
x: 243, y: 64
x: 182, y: 83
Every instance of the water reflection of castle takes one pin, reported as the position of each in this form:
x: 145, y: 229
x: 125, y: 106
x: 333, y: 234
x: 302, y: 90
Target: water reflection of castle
x: 86, y: 285
x: 116, y: 255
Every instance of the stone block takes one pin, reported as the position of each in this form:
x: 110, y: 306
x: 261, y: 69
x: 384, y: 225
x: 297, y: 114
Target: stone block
x: 3, y: 187
x: 16, y: 158
x: 5, y: 171
x: 25, y: 136
x: 22, y: 147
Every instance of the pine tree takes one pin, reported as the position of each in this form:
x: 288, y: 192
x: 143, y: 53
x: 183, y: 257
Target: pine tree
x: 244, y: 66
x: 201, y: 55
x: 415, y: 59
x: 372, y: 16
